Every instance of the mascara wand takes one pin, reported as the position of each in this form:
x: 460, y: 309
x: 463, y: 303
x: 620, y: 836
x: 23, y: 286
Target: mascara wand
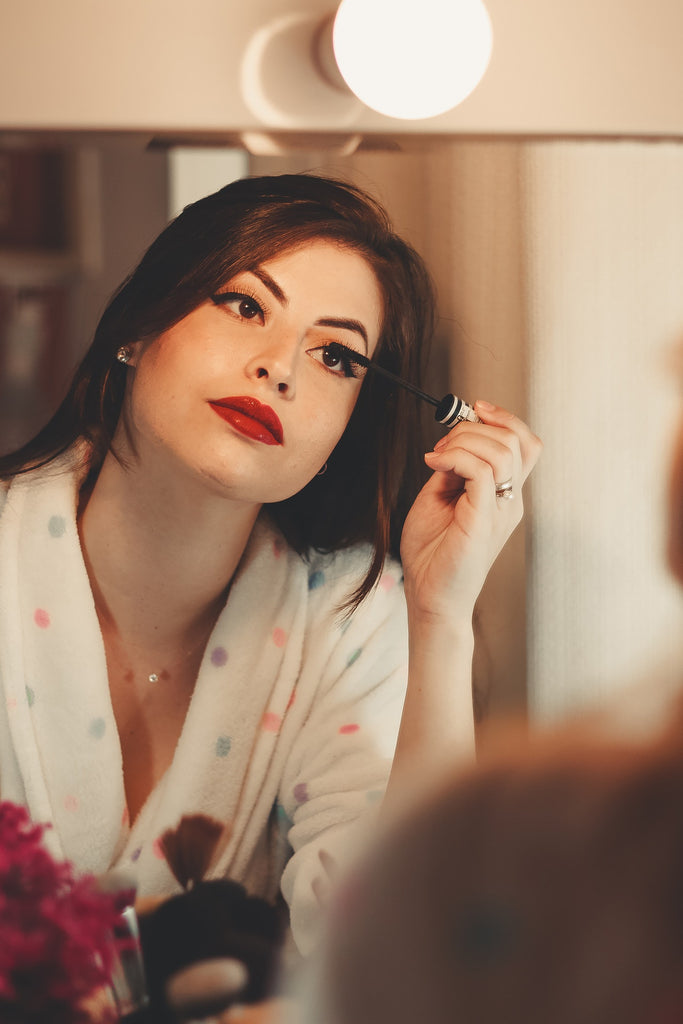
x: 449, y: 410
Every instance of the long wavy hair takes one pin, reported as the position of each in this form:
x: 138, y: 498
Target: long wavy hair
x: 376, y: 468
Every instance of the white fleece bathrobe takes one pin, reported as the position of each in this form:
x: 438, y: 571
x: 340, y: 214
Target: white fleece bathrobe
x: 289, y: 733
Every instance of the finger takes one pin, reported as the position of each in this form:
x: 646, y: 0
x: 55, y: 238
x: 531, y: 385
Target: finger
x: 460, y: 470
x: 500, y: 449
x: 530, y: 445
x: 476, y: 477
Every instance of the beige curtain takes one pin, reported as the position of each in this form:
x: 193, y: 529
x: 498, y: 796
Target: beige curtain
x: 604, y: 224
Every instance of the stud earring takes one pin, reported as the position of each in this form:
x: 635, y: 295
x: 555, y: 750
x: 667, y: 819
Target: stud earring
x: 321, y: 471
x: 124, y: 353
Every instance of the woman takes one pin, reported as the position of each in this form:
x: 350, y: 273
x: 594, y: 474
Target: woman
x: 199, y: 608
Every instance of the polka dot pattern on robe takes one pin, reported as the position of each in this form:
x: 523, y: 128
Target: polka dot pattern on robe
x: 97, y: 728
x: 316, y: 579
x: 354, y: 656
x: 219, y: 657
x: 56, y: 526
x: 301, y: 792
x: 223, y: 746
x: 41, y: 618
x: 271, y: 722
x: 314, y: 592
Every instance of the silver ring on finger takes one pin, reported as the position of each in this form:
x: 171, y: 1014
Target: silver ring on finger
x: 504, y: 490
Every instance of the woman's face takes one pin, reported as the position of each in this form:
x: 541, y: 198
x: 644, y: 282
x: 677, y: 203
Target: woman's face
x: 242, y: 393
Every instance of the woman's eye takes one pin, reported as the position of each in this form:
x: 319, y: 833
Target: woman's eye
x: 242, y: 305
x: 337, y: 359
x: 332, y: 357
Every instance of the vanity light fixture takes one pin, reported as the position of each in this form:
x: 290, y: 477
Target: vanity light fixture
x: 412, y: 60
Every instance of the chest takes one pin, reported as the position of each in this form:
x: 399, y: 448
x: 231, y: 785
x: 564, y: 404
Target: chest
x: 150, y: 703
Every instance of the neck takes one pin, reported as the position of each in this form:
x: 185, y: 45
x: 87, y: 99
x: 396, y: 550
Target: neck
x: 160, y: 555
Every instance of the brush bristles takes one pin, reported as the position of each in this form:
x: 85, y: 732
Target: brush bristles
x: 188, y: 849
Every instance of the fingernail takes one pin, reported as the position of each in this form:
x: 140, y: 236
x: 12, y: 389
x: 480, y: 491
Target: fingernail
x: 441, y: 444
x: 486, y: 406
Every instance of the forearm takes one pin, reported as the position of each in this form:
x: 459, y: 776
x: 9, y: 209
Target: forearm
x: 437, y: 725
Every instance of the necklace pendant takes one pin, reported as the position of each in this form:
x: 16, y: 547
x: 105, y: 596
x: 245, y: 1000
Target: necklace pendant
x: 153, y: 677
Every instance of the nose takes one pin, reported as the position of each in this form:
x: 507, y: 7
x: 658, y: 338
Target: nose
x: 276, y: 364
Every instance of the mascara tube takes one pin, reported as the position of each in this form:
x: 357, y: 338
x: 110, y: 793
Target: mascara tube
x: 452, y: 410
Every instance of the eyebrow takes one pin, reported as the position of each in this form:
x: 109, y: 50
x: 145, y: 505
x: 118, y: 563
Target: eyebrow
x: 272, y: 286
x: 343, y: 323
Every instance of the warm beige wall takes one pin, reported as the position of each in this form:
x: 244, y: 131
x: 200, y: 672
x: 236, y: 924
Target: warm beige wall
x: 582, y: 67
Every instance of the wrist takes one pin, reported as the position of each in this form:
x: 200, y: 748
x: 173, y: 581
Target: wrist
x: 447, y: 608
x: 441, y: 631
x: 446, y: 619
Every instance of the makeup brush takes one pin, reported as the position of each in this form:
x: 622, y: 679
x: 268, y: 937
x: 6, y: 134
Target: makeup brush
x: 214, y: 939
x: 128, y: 983
x: 205, y: 989
x: 449, y: 410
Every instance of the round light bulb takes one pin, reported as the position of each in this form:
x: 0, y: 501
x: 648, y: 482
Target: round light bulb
x: 412, y: 58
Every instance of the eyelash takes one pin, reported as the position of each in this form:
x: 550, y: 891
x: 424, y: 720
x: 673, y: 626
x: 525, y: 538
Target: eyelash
x: 224, y: 298
x: 345, y: 355
x: 350, y: 369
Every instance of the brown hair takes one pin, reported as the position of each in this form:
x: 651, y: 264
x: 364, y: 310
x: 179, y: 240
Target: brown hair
x: 375, y: 470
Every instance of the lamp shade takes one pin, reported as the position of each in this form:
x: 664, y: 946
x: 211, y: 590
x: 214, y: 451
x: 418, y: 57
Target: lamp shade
x: 412, y: 59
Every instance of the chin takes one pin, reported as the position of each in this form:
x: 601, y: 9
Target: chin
x: 245, y: 488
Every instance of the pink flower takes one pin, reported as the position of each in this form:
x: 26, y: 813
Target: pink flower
x: 56, y: 945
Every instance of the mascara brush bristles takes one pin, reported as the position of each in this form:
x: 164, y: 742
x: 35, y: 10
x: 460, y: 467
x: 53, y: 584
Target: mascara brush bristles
x: 449, y: 409
x: 356, y: 357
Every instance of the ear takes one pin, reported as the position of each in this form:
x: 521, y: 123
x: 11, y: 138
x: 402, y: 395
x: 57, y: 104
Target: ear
x: 134, y: 349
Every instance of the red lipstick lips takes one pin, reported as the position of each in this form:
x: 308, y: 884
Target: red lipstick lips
x: 250, y: 417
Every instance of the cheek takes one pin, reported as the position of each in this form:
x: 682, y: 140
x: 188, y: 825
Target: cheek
x: 330, y: 422
x: 159, y: 403
x: 307, y: 457
x: 175, y: 373
x: 315, y: 440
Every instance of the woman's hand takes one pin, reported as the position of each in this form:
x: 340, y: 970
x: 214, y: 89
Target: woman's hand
x: 457, y: 525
